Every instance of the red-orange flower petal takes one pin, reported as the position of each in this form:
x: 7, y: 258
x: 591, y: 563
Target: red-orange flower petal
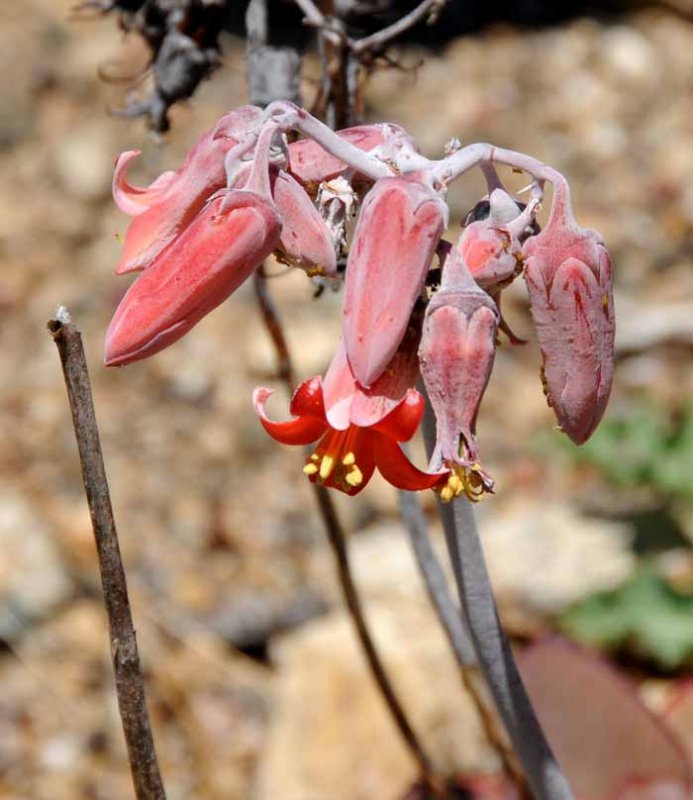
x: 401, y: 423
x: 301, y: 430
x: 308, y: 400
x: 398, y: 470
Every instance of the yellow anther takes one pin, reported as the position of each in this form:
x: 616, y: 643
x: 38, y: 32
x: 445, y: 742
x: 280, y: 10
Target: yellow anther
x: 446, y: 494
x: 605, y: 300
x: 455, y: 484
x: 326, y: 467
x: 349, y: 460
x: 354, y: 477
x: 464, y: 480
x: 310, y: 469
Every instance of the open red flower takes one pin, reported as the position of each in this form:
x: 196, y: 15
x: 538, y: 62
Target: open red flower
x: 357, y: 429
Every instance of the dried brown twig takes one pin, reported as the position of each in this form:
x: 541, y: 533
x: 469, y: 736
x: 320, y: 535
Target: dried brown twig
x: 126, y: 666
x: 345, y: 60
x: 333, y: 27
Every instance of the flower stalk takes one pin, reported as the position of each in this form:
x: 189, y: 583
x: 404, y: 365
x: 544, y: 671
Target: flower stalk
x: 336, y: 536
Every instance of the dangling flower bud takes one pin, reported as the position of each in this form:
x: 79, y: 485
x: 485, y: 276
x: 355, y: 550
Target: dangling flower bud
x: 305, y: 239
x: 568, y: 275
x: 211, y: 258
x: 398, y: 230
x: 165, y: 208
x: 456, y: 357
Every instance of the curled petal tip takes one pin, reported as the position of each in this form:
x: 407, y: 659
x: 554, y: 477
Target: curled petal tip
x: 304, y: 428
x: 134, y: 200
x: 169, y: 205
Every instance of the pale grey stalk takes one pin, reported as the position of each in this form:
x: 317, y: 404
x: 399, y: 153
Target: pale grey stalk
x: 493, y: 651
x: 457, y: 634
x: 435, y: 580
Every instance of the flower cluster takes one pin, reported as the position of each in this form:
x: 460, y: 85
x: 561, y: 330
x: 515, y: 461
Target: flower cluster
x: 244, y: 193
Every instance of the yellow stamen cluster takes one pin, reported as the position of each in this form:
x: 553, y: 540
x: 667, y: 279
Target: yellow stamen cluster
x: 463, y: 480
x: 345, y: 473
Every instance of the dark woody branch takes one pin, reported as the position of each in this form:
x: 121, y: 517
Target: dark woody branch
x: 126, y: 666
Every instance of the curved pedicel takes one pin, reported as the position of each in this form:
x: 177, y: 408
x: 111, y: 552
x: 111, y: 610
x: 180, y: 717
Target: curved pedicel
x: 310, y: 163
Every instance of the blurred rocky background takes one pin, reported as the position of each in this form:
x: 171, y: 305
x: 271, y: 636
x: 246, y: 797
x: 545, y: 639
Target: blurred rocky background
x: 256, y: 687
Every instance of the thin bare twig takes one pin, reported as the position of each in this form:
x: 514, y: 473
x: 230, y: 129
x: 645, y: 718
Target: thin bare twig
x: 314, y: 16
x: 270, y: 316
x: 384, y: 36
x: 128, y: 677
x: 333, y: 29
x: 273, y: 71
x: 456, y: 633
x: 337, y: 539
x: 343, y: 58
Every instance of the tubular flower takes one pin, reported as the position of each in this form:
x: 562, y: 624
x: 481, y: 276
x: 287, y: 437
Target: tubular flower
x: 210, y: 259
x: 568, y: 275
x: 167, y: 206
x: 456, y: 357
x: 357, y: 430
x: 399, y: 228
x: 305, y: 240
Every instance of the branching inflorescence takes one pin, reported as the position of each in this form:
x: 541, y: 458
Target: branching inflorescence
x: 244, y: 193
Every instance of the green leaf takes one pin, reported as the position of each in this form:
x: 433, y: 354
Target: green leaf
x: 643, y: 448
x: 646, y: 617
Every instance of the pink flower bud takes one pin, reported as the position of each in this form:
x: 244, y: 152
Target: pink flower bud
x: 490, y: 248
x: 568, y: 274
x: 456, y: 357
x: 165, y: 208
x: 305, y: 240
x: 211, y: 258
x: 398, y: 230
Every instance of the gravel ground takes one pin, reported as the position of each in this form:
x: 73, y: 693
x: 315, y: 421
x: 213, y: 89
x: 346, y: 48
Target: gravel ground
x: 216, y: 523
